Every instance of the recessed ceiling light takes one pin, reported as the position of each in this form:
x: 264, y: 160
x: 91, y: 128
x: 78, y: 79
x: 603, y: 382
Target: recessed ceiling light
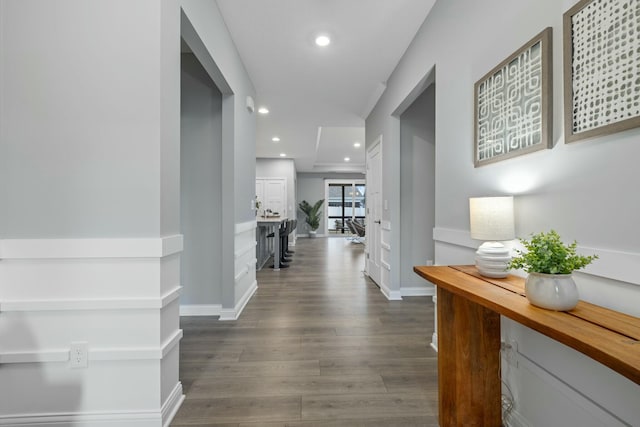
x: 263, y: 110
x: 357, y: 145
x: 283, y: 154
x: 346, y: 159
x: 275, y: 139
x: 323, y: 41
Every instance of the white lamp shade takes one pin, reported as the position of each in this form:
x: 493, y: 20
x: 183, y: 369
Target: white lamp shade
x: 491, y: 218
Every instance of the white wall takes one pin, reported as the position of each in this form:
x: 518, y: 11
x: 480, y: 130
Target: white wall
x: 89, y: 118
x: 90, y: 212
x: 200, y: 185
x: 574, y: 188
x: 417, y: 190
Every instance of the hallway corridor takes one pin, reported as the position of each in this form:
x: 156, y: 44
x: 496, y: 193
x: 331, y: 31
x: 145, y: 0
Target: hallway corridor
x: 317, y: 345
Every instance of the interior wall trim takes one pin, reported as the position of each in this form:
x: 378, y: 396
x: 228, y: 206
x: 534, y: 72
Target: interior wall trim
x: 103, y: 419
x: 172, y: 404
x: 243, y: 227
x: 200, y: 310
x: 391, y: 295
x: 594, y: 408
x: 248, y: 248
x: 246, y: 270
x: 92, y: 304
x: 162, y: 417
x: 90, y: 248
x: 612, y: 264
x: 417, y: 291
x: 95, y: 354
x: 234, y: 313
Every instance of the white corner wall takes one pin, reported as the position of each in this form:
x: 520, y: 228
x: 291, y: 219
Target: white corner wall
x: 90, y: 213
x: 90, y: 245
x: 577, y: 189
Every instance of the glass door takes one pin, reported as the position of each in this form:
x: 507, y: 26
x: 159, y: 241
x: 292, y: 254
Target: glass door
x: 346, y: 200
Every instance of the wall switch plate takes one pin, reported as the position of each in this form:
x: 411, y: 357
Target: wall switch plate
x: 79, y: 354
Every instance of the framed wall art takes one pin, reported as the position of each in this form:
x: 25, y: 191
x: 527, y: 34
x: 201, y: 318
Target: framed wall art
x: 601, y: 68
x: 513, y: 106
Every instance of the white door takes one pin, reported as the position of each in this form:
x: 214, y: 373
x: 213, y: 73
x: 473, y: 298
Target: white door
x: 374, y: 210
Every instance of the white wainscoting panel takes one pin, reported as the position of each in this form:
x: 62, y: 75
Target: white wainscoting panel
x: 245, y: 284
x: 385, y: 262
x: 121, y: 298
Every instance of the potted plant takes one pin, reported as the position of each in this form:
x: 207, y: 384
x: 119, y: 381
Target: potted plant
x: 550, y: 263
x: 313, y: 214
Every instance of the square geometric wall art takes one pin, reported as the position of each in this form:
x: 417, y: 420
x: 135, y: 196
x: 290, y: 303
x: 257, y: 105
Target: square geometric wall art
x: 601, y: 68
x: 513, y: 107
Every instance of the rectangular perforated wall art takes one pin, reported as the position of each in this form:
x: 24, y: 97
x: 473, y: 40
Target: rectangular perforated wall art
x: 513, y: 104
x: 601, y: 68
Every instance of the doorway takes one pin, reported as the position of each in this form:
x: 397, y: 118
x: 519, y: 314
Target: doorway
x: 200, y: 183
x: 417, y: 190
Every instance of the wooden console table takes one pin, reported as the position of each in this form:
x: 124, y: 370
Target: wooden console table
x: 469, y: 309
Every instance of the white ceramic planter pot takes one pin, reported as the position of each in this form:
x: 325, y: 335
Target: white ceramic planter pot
x: 551, y: 291
x: 312, y: 233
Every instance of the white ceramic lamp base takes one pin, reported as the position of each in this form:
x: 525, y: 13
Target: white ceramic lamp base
x: 492, y: 259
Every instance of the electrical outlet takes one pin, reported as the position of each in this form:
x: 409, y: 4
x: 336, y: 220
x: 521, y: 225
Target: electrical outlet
x: 79, y: 354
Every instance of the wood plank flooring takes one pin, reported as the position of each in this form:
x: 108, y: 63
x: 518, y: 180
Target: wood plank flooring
x: 317, y: 345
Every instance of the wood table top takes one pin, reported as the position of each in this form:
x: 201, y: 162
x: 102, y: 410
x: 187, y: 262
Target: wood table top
x: 610, y: 337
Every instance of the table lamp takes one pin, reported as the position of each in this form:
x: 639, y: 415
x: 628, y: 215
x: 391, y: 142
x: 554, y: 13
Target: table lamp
x: 491, y: 220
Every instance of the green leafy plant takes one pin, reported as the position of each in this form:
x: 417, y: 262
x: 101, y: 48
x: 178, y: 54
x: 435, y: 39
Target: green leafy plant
x: 545, y: 253
x: 313, y: 213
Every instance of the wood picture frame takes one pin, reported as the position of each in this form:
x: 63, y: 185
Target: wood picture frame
x: 513, y: 104
x: 600, y: 45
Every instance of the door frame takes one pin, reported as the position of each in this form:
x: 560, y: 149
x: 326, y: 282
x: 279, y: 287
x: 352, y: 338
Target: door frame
x: 373, y: 269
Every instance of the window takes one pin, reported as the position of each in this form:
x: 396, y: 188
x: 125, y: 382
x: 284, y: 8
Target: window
x: 345, y: 200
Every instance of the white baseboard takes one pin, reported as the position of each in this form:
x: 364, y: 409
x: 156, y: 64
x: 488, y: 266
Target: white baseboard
x: 391, y: 295
x: 161, y: 417
x: 200, y: 310
x: 172, y: 404
x: 234, y: 313
x: 417, y: 291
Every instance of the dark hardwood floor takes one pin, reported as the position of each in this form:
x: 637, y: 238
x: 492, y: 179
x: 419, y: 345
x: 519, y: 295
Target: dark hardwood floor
x: 317, y: 345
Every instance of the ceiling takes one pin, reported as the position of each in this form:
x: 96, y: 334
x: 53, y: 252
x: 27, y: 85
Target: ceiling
x: 319, y: 97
